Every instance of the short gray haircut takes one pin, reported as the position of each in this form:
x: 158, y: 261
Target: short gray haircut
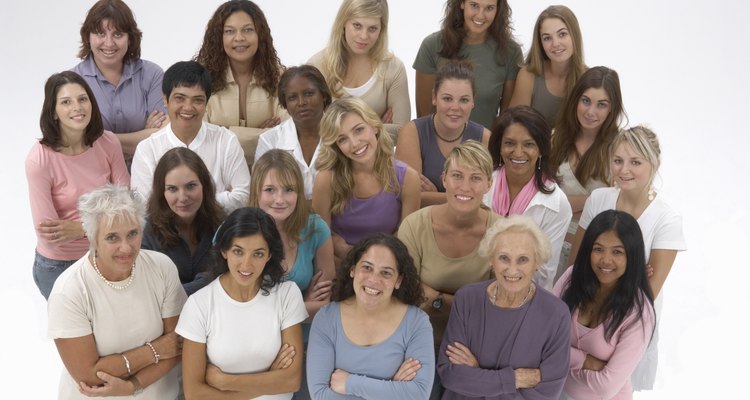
x: 107, y: 203
x: 516, y: 224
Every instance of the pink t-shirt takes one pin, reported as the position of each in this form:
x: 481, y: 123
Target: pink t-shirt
x: 56, y: 182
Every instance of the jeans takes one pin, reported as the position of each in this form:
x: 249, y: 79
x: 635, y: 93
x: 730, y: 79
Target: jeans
x: 46, y: 271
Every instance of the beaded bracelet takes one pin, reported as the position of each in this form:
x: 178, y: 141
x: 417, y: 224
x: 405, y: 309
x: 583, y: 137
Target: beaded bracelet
x: 153, y: 350
x: 127, y: 363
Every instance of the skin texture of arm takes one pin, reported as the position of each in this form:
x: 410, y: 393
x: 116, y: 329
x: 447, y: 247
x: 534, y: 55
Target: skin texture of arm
x: 410, y: 193
x: 424, y: 83
x: 408, y: 151
x: 661, y: 261
x: 508, y: 89
x: 203, y: 382
x: 524, y: 88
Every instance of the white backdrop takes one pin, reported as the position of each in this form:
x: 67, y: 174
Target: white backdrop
x: 679, y: 65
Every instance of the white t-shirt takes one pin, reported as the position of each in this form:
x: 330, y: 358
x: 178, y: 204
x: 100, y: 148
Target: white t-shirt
x: 242, y: 337
x: 82, y: 304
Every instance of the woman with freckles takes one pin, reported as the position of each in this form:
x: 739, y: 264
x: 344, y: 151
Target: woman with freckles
x: 524, y: 182
x: 357, y: 62
x: 480, y: 32
x: 507, y: 338
x: 611, y: 302
x: 372, y: 342
x: 242, y: 334
x: 239, y: 54
x: 183, y: 215
x: 635, y: 160
x: 359, y: 175
x: 553, y: 65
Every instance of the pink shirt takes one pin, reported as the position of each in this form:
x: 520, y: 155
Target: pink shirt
x: 622, y: 353
x: 57, y: 181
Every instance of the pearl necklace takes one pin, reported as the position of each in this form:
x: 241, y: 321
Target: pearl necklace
x: 110, y: 284
x: 494, y: 295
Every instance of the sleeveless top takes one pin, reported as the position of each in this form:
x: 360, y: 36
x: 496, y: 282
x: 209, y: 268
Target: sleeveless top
x: 378, y: 213
x: 433, y: 160
x: 545, y: 102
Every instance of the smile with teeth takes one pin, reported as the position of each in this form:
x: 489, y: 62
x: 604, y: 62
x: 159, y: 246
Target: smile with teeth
x: 478, y: 22
x: 361, y: 151
x: 245, y: 274
x: 518, y: 161
x: 512, y: 278
x: 108, y: 52
x: 371, y: 291
x: 606, y: 270
x: 463, y: 197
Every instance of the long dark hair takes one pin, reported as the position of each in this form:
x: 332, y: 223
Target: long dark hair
x: 248, y: 221
x: 632, y: 287
x: 410, y: 291
x: 454, y: 32
x: 121, y: 17
x: 48, y: 122
x: 161, y: 217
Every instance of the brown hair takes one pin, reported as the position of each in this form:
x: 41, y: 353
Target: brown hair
x: 453, y: 31
x: 48, y: 122
x: 121, y: 17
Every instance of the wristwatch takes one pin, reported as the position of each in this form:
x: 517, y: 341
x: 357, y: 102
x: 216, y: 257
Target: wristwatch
x: 438, y: 302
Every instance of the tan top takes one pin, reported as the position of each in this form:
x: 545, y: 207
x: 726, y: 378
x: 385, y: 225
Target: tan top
x: 223, y: 109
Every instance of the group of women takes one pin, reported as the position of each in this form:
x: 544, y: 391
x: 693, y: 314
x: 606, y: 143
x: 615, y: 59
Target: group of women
x: 435, y: 270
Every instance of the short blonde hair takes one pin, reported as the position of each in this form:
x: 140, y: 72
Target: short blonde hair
x: 108, y: 204
x: 471, y: 154
x: 644, y: 142
x: 516, y: 224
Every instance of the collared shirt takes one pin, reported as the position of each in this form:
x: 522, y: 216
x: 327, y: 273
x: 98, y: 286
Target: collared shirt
x: 284, y: 137
x: 126, y: 106
x: 216, y: 146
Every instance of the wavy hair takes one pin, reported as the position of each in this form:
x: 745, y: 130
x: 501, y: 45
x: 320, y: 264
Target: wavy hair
x: 536, y: 57
x: 454, y: 32
x: 161, y: 217
x: 632, y: 291
x: 266, y: 65
x: 121, y: 17
x: 594, y: 163
x: 331, y: 157
x: 409, y: 292
x: 336, y: 59
x: 538, y: 129
x: 48, y: 120
x: 248, y: 221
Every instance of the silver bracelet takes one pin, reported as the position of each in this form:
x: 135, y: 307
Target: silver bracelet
x: 127, y: 363
x: 153, y: 350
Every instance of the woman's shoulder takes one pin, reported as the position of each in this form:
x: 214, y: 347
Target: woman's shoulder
x: 551, y: 303
x: 472, y: 291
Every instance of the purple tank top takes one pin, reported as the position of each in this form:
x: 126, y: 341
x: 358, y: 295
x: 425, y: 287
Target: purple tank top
x: 378, y: 213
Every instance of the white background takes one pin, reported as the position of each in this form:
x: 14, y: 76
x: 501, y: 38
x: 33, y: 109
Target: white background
x: 682, y: 68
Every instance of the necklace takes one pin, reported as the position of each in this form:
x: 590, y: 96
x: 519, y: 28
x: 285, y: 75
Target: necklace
x: 493, y: 297
x: 444, y: 139
x: 110, y: 284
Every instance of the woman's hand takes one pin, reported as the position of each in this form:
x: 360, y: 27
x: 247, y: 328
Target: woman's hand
x: 461, y: 355
x: 593, y: 363
x: 408, y: 370
x: 426, y: 185
x: 270, y: 123
x: 284, y: 358
x: 214, y: 376
x: 319, y: 290
x: 113, y: 386
x: 168, y: 345
x: 527, y: 377
x: 387, y: 117
x: 338, y: 381
x: 340, y: 247
x: 60, y: 231
x: 156, y: 120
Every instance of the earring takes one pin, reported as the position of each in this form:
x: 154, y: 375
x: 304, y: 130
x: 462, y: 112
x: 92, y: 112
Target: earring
x: 651, y: 193
x: 539, y: 164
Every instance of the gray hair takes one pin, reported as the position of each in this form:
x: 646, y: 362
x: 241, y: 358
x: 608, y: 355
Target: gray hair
x: 107, y: 203
x: 516, y: 224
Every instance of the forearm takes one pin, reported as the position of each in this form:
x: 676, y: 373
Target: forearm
x: 477, y: 382
x: 285, y: 380
x: 371, y: 388
x: 312, y: 308
x: 432, y: 198
x: 129, y: 141
x: 154, y: 372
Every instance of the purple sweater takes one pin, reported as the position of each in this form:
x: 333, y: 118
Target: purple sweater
x: 536, y: 335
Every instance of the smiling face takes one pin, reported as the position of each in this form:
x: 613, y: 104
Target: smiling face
x: 246, y: 258
x: 630, y: 170
x: 608, y: 259
x: 593, y: 108
x: 361, y: 34
x: 117, y: 247
x: 519, y: 152
x: 375, y: 276
x: 453, y: 103
x: 357, y: 140
x: 240, y: 38
x: 184, y: 192
x: 478, y: 16
x: 465, y: 186
x: 556, y: 40
x: 72, y: 108
x: 514, y: 261
x: 304, y: 102
x: 277, y: 199
x: 108, y: 45
x: 186, y: 107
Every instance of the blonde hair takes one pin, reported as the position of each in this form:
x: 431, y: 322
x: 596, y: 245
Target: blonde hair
x: 471, y: 154
x: 644, y: 142
x: 290, y: 176
x: 536, y: 57
x: 516, y: 224
x: 331, y: 157
x: 336, y: 59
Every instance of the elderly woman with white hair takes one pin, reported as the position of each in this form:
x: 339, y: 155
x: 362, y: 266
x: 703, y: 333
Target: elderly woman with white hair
x: 507, y: 337
x: 113, y: 313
